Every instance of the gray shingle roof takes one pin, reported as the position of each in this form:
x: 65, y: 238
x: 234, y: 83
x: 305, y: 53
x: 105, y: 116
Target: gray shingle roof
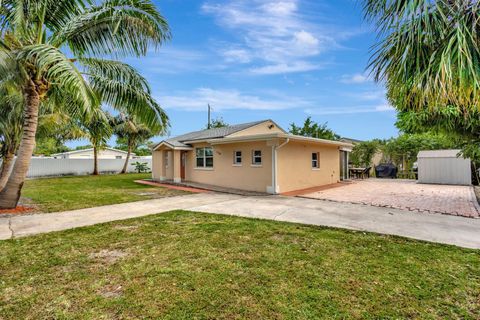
x: 213, y: 133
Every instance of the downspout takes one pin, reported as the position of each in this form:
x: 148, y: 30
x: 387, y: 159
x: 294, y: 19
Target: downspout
x: 274, y: 164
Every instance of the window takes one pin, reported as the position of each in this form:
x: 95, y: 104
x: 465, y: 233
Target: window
x: 257, y: 157
x: 237, y: 157
x: 166, y: 159
x: 204, y: 157
x: 315, y: 160
x: 118, y: 157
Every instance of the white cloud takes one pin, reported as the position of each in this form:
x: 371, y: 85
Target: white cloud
x: 169, y: 60
x: 271, y: 33
x: 198, y: 99
x: 372, y: 95
x: 237, y: 55
x: 281, y: 8
x: 350, y: 110
x: 299, y: 66
x: 356, y: 78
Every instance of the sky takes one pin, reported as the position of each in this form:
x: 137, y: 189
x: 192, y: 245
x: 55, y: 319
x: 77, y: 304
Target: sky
x: 283, y: 60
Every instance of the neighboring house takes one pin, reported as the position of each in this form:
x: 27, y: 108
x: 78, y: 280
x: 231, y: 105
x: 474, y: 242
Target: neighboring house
x: 257, y: 156
x: 107, y: 153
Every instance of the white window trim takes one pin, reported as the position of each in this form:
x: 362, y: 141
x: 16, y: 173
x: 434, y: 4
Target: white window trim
x: 204, y: 167
x: 253, y: 164
x: 235, y: 163
x: 318, y: 161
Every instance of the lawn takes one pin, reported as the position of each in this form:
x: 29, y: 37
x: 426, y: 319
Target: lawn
x: 185, y: 265
x: 76, y: 192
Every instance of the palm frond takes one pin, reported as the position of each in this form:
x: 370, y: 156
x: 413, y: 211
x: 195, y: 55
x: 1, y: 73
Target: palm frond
x: 428, y: 53
x: 123, y: 88
x: 56, y: 68
x: 112, y: 69
x: 118, y: 27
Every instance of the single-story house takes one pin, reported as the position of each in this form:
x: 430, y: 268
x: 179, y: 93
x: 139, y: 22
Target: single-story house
x: 107, y: 153
x: 258, y: 156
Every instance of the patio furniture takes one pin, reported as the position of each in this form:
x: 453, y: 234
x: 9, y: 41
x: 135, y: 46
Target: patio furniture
x: 360, y: 173
x: 356, y: 172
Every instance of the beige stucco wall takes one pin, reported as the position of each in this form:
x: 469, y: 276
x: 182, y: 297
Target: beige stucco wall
x: 224, y: 173
x: 295, y: 170
x: 261, y: 128
x: 161, y: 169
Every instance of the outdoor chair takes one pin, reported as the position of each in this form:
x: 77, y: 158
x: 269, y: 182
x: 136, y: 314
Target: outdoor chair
x: 365, y: 173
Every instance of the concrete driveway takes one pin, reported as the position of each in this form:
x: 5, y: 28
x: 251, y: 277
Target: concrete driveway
x: 405, y: 195
x: 458, y: 231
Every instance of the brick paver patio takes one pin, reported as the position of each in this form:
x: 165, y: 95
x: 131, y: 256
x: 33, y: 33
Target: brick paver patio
x: 406, y: 195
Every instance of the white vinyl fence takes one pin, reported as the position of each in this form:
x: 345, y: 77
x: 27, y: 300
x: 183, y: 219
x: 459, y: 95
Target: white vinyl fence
x: 45, y: 167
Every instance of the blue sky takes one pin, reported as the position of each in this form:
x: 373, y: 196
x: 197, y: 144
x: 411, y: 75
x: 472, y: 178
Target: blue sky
x: 258, y: 59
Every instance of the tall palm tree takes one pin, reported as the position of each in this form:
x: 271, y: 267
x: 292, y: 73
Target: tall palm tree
x: 133, y: 133
x: 428, y: 52
x: 55, y: 49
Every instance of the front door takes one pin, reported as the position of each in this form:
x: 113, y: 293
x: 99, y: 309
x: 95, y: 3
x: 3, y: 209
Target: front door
x: 183, y: 163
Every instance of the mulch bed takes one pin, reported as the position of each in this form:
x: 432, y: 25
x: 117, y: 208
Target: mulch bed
x: 17, y: 210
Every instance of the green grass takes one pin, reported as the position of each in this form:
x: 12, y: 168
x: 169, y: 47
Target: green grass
x: 68, y: 193
x: 185, y: 265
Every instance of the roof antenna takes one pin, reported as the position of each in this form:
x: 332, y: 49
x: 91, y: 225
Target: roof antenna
x: 209, y: 125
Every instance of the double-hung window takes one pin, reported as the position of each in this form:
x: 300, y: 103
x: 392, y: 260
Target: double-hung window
x: 204, y: 157
x: 315, y: 160
x: 237, y: 157
x: 257, y: 157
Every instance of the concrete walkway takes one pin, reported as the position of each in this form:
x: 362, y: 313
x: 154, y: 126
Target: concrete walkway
x: 464, y: 232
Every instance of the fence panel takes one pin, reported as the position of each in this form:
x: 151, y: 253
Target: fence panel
x: 44, y: 167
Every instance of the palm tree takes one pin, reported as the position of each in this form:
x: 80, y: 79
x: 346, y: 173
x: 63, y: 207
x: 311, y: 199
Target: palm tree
x: 55, y: 50
x: 428, y: 53
x: 133, y: 132
x: 98, y: 130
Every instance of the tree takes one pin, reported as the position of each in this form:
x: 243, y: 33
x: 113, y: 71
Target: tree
x: 463, y: 128
x: 33, y: 39
x: 133, y: 133
x: 314, y: 130
x: 217, y: 123
x: 54, y: 129
x: 98, y: 130
x: 428, y: 52
x: 11, y: 120
x: 404, y: 149
x: 363, y: 152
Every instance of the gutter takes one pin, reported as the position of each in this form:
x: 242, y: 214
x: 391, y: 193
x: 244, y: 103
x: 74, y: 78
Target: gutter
x: 275, y: 165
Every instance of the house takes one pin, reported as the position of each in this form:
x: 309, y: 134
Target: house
x: 107, y: 153
x: 257, y: 156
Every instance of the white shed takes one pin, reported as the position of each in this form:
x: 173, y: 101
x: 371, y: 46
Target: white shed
x: 443, y: 167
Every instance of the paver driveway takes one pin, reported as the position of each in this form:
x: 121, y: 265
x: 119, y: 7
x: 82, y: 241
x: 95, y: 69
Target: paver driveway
x: 406, y: 195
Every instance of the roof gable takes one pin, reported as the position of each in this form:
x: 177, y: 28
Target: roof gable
x: 214, y: 133
x: 264, y: 127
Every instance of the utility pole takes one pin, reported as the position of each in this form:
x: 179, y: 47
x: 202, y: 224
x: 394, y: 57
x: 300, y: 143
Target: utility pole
x: 209, y: 121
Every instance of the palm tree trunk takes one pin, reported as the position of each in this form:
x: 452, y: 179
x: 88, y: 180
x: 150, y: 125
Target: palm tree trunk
x: 125, y: 165
x: 95, y: 161
x: 7, y: 164
x: 10, y: 195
